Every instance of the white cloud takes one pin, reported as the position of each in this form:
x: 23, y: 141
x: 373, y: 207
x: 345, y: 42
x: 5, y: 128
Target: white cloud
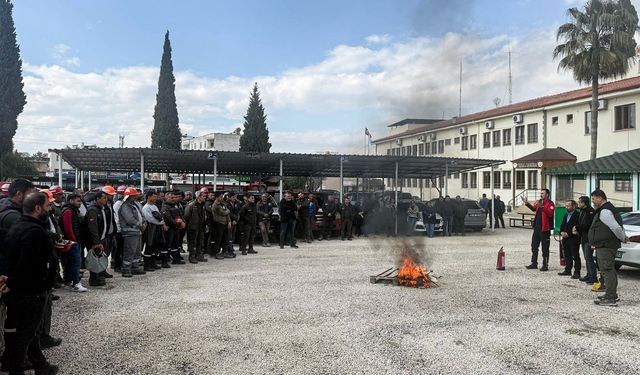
x: 378, y: 39
x: 371, y: 86
x: 60, y: 54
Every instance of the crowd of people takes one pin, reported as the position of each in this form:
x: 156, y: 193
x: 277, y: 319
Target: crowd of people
x: 50, y: 238
x: 597, y: 230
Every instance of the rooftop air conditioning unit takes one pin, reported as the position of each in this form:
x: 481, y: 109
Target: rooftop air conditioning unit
x: 421, y: 138
x: 462, y: 131
x: 602, y: 104
x: 489, y: 124
x: 432, y: 136
x: 518, y: 119
x: 399, y: 142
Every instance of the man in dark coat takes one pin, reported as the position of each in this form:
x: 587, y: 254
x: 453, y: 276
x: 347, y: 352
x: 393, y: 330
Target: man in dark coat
x: 288, y: 212
x: 347, y: 213
x: 248, y: 221
x: 459, y: 214
x: 582, y: 229
x: 27, y: 286
x: 329, y: 210
x: 570, y: 241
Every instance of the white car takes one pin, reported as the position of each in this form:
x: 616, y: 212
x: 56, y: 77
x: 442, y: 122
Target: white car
x: 629, y: 253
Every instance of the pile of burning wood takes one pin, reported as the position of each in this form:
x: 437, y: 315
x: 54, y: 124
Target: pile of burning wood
x: 410, y: 272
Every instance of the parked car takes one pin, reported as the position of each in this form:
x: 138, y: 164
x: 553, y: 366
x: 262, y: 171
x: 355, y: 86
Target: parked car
x: 629, y: 253
x: 476, y: 218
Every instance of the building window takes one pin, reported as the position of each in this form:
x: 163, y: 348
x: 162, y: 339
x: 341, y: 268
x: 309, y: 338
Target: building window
x: 403, y: 151
x: 456, y: 176
x: 415, y: 182
x: 464, y: 143
x: 533, y: 179
x: 554, y: 120
x: 456, y: 141
x: 520, y: 180
x: 506, y: 180
x: 473, y: 142
x: 427, y: 148
x: 570, y: 119
x: 434, y: 148
x: 441, y: 182
x: 486, y: 180
x: 408, y: 150
x: 440, y: 147
x: 473, y: 180
x: 389, y: 151
x: 587, y: 122
x: 496, y: 138
x: 625, y: 117
x: 447, y: 142
x: 520, y: 135
x: 393, y: 152
x: 421, y: 149
x: 486, y: 140
x: 624, y: 186
x: 506, y: 137
x: 496, y: 180
x: 532, y: 133
x: 465, y: 181
x: 415, y: 150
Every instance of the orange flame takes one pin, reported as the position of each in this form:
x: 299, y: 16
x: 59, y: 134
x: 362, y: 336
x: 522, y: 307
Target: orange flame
x: 412, y: 274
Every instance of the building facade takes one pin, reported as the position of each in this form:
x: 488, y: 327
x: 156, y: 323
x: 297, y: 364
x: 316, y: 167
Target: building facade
x: 213, y: 142
x: 516, y: 132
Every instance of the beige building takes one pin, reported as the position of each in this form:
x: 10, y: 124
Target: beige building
x: 530, y: 136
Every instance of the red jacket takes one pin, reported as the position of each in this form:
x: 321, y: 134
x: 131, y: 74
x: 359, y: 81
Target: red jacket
x: 548, y: 208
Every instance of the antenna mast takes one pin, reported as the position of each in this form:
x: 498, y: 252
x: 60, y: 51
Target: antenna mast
x: 510, y: 78
x: 460, y: 100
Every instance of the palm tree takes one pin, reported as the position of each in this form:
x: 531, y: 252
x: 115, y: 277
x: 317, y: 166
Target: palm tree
x: 598, y: 43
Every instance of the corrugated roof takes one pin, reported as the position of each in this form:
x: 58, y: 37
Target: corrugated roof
x: 548, y: 154
x: 545, y: 101
x: 620, y: 162
x: 419, y: 121
x: 247, y: 163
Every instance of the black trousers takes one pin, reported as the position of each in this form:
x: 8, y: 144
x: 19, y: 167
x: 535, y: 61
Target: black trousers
x: 118, y: 251
x: 499, y: 220
x: 45, y: 329
x: 572, y: 255
x: 287, y: 232
x: 346, y: 228
x: 24, y: 318
x: 540, y: 238
x: 221, y: 238
x: 328, y: 227
x: 247, y: 234
x: 458, y: 225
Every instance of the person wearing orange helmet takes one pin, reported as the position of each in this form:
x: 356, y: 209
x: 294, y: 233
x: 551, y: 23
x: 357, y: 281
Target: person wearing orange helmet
x: 132, y: 225
x: 112, y: 226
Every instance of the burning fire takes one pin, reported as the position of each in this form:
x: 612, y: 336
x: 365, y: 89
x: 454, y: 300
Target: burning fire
x: 413, y: 274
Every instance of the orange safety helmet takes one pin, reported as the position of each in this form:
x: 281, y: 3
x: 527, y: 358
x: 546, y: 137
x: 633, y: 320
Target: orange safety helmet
x: 49, y: 194
x: 56, y: 190
x: 121, y: 189
x: 130, y: 191
x: 109, y: 190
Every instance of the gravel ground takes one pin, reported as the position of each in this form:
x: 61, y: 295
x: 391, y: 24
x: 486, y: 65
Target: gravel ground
x: 313, y: 311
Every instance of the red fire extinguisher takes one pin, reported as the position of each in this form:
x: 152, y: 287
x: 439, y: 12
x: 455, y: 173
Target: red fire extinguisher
x: 500, y: 265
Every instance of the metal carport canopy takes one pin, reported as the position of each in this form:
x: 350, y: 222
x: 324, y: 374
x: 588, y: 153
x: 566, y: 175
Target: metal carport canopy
x: 250, y: 163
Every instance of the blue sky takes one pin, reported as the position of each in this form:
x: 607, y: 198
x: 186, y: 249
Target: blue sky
x: 332, y: 65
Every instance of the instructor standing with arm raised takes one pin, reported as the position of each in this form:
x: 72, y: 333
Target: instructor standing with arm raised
x: 542, y: 225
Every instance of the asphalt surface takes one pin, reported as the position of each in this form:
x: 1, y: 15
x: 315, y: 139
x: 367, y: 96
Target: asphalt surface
x: 312, y: 310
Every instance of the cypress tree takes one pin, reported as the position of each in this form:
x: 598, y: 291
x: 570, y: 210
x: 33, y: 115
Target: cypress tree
x: 12, y: 96
x: 255, y: 137
x: 166, y: 130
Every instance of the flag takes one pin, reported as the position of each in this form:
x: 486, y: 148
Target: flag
x: 366, y: 132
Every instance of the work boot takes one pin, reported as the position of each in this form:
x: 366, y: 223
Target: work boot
x: 606, y: 302
x: 165, y: 261
x: 576, y: 276
x: 148, y: 265
x: 192, y: 259
x: 126, y: 271
x: 47, y: 369
x: 545, y: 264
x: 106, y: 275
x: 218, y: 256
x: 49, y: 342
x: 251, y: 251
x: 138, y: 271
x: 201, y: 258
x: 244, y: 252
x: 177, y: 259
x: 294, y: 246
x: 564, y: 273
x: 229, y: 255
x: 96, y: 280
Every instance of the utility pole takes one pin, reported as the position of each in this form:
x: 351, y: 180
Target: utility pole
x: 460, y: 101
x: 510, y: 79
x: 121, y: 141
